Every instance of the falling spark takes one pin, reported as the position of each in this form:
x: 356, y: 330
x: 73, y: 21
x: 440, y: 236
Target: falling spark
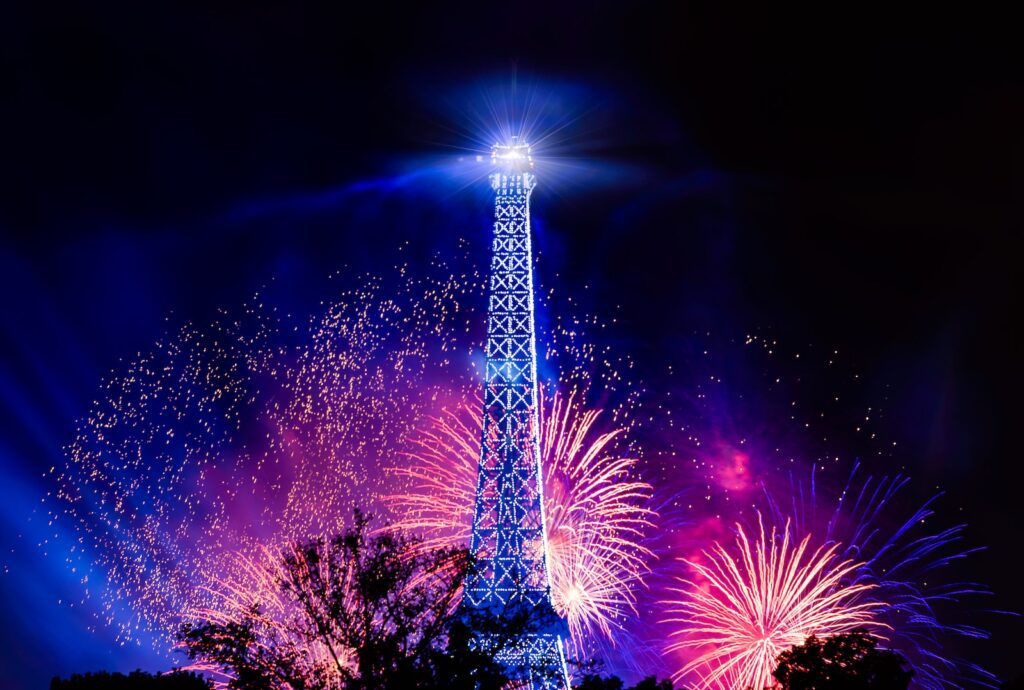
x: 247, y: 431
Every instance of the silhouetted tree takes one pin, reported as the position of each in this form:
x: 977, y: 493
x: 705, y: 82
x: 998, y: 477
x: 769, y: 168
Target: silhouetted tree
x: 136, y: 680
x: 849, y: 661
x: 381, y: 606
x: 596, y: 682
x: 652, y: 683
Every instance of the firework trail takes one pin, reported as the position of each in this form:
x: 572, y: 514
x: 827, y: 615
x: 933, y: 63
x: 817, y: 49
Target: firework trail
x: 904, y: 566
x: 597, y: 512
x: 739, y: 609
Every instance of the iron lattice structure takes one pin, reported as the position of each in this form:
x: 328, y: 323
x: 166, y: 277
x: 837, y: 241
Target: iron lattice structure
x: 509, y: 540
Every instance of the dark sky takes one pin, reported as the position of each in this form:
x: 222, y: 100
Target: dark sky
x: 861, y: 167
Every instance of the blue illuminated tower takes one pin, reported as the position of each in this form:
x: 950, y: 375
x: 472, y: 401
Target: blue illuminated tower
x: 509, y: 539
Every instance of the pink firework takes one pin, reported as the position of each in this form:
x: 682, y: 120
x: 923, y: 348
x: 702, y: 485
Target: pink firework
x: 595, y: 509
x: 738, y: 610
x: 251, y: 592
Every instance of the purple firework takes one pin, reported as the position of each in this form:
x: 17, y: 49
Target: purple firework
x: 905, y: 566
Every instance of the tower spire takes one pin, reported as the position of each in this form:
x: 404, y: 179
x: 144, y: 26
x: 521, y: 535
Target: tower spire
x: 509, y: 539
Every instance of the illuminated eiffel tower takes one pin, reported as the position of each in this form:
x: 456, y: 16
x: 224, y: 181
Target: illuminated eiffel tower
x: 509, y: 539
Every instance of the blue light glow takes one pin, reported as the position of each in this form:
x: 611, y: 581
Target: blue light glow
x: 509, y: 535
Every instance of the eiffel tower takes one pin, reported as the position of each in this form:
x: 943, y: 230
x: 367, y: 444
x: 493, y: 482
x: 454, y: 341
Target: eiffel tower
x: 509, y: 539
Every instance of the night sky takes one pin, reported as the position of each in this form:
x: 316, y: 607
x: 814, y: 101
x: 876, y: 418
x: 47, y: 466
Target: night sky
x: 833, y: 178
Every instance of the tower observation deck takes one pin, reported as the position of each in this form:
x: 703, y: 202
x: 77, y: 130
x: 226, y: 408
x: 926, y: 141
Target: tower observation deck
x: 508, y: 538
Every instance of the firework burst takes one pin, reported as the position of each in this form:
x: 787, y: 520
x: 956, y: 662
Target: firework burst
x: 254, y: 430
x: 903, y: 565
x: 595, y: 509
x: 251, y: 592
x: 738, y: 610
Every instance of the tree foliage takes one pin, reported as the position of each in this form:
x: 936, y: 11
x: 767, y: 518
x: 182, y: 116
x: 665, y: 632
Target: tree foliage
x: 851, y: 661
x: 596, y: 682
x: 136, y: 680
x: 382, y: 607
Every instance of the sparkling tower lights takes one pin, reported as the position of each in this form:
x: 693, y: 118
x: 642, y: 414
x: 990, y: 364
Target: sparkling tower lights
x: 508, y: 538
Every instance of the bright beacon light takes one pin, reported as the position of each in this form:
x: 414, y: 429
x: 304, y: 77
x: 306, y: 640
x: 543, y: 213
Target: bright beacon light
x: 514, y: 157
